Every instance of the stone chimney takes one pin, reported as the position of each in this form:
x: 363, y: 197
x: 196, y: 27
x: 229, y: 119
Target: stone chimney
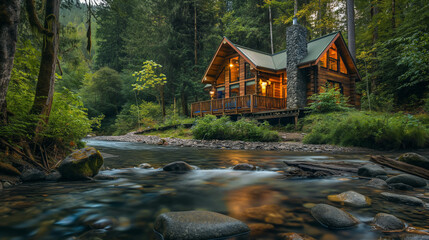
x: 296, y: 50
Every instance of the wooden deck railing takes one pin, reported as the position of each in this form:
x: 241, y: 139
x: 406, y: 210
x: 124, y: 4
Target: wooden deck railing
x: 236, y: 105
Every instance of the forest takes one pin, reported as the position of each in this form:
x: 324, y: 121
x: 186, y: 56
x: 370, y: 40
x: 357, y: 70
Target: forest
x: 81, y: 66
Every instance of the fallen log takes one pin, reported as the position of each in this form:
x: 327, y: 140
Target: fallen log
x: 321, y: 165
x: 405, y: 167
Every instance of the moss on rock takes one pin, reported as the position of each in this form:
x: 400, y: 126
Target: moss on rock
x: 81, y: 164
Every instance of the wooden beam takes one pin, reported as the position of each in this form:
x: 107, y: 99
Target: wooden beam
x: 405, y: 167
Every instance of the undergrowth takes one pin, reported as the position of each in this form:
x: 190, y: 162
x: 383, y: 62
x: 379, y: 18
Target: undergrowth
x: 209, y: 127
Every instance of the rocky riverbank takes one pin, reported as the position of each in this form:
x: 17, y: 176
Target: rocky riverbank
x: 228, y: 144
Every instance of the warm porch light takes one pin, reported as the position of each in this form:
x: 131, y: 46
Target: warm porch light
x: 231, y: 65
x: 212, y: 93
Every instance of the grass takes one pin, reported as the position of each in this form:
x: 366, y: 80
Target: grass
x: 182, y: 133
x: 366, y: 129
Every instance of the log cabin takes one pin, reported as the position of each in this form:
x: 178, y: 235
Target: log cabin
x: 244, y: 81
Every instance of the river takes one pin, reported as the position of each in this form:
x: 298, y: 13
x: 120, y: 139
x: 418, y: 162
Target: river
x: 64, y: 210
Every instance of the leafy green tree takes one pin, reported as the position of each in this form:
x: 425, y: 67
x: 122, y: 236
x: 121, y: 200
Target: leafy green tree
x: 101, y: 93
x: 151, y: 78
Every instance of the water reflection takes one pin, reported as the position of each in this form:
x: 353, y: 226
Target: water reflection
x: 129, y: 205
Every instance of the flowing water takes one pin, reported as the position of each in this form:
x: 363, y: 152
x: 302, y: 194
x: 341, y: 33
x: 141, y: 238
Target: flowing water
x: 130, y: 203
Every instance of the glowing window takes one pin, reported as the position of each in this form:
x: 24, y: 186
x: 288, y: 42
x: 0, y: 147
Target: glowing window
x: 221, y: 79
x: 343, y: 68
x: 249, y: 73
x: 323, y: 62
x: 333, y: 58
x: 234, y: 67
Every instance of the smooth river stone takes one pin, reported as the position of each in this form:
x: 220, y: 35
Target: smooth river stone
x: 333, y: 217
x: 178, y: 166
x: 371, y: 170
x: 402, y: 199
x: 388, y: 222
x: 198, y: 225
x: 408, y: 179
x: 351, y: 198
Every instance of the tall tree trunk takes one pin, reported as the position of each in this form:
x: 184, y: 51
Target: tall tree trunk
x: 9, y: 19
x: 162, y: 95
x: 195, y: 36
x: 46, y: 80
x: 184, y: 102
x: 271, y: 30
x: 351, y: 27
x: 319, y: 17
x: 295, y: 8
x: 393, y: 15
x: 374, y: 12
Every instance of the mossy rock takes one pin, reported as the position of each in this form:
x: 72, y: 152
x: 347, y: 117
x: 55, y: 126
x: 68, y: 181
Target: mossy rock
x: 415, y: 159
x: 7, y: 169
x: 81, y: 164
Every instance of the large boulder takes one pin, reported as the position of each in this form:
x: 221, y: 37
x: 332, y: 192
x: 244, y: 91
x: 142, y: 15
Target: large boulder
x: 198, y: 225
x: 388, y: 222
x: 244, y: 167
x: 351, y: 198
x: 81, y: 164
x: 408, y: 179
x: 402, y: 199
x: 371, y: 170
x: 332, y: 217
x: 415, y: 159
x: 32, y: 174
x: 178, y: 166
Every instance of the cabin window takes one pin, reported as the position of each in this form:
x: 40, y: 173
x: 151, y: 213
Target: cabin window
x: 249, y: 73
x: 220, y: 92
x: 221, y: 78
x: 250, y: 87
x: 343, y: 68
x: 323, y: 61
x: 336, y: 85
x: 234, y: 90
x: 234, y: 67
x: 333, y: 58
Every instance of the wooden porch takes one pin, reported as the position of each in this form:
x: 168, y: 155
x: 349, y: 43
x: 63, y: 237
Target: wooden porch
x: 237, y: 105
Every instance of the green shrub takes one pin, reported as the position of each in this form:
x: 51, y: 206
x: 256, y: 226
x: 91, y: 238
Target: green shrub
x: 329, y: 100
x: 68, y: 122
x: 209, y: 127
x: 366, y: 129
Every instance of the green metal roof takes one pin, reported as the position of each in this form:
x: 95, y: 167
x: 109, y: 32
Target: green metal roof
x: 277, y: 61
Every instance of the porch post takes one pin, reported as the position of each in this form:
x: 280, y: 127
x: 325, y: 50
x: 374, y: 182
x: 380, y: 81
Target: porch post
x: 211, y: 107
x: 251, y: 103
x: 236, y: 105
x: 223, y: 106
x: 201, y: 109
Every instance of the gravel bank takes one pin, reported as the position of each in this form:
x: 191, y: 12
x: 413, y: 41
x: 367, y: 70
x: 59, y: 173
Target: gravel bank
x: 227, y: 144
